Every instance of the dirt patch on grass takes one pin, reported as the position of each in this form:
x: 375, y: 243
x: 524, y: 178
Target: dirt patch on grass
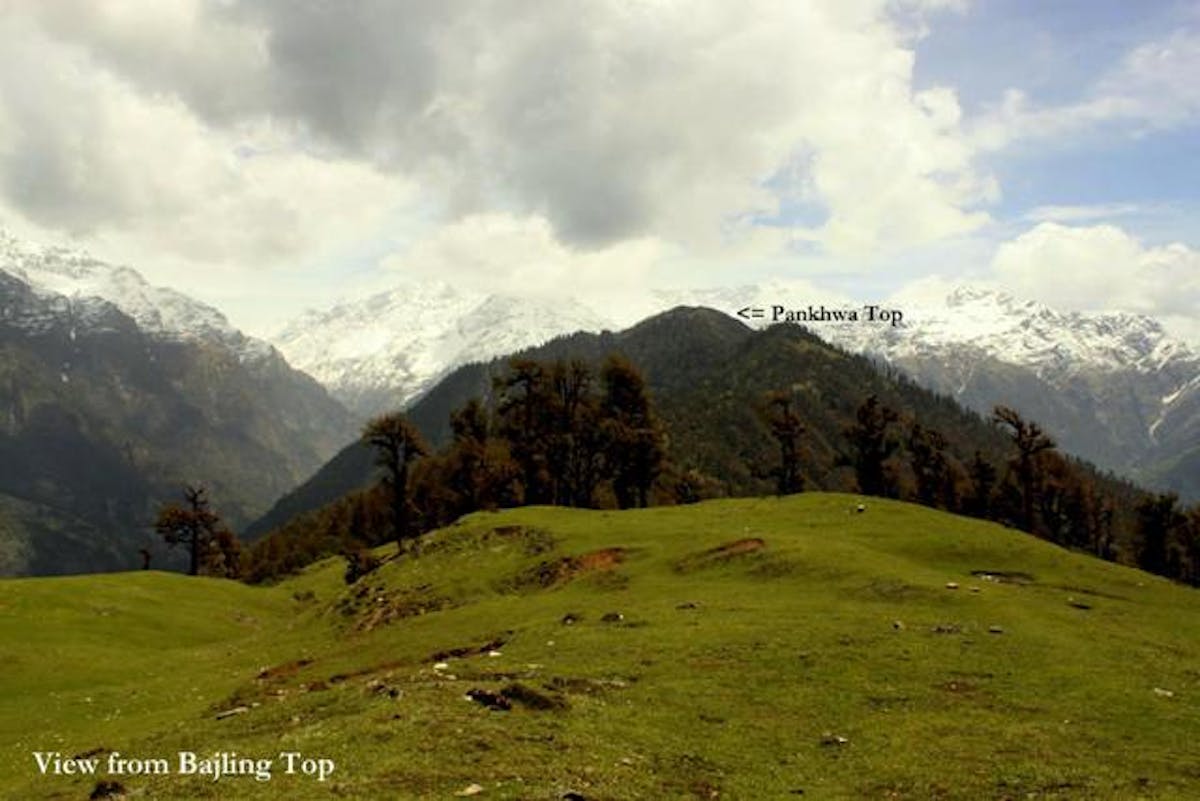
x: 398, y: 609
x: 372, y: 607
x: 381, y: 667
x: 546, y: 575
x: 585, y: 686
x: 286, y: 670
x: 93, y: 752
x: 892, y: 591
x: 688, y: 776
x: 530, y: 541
x: 722, y: 554
x: 738, y: 547
x: 494, y: 644
x: 1004, y: 576
x: 1091, y: 592
x: 533, y: 698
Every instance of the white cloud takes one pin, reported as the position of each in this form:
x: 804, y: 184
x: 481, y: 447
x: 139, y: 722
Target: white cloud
x: 520, y: 255
x: 683, y: 121
x: 1153, y: 88
x: 140, y: 178
x: 1082, y: 213
x: 1103, y: 267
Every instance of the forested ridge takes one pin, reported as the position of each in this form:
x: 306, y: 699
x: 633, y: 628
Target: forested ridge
x: 727, y: 412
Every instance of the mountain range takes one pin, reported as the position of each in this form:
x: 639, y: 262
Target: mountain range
x: 383, y: 352
x: 114, y: 393
x: 1113, y: 388
x: 708, y: 375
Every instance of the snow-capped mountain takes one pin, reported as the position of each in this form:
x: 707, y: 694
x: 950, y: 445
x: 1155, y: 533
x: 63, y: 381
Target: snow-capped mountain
x: 115, y: 393
x: 990, y: 321
x: 74, y: 285
x: 1112, y: 387
x: 998, y: 325
x: 386, y: 350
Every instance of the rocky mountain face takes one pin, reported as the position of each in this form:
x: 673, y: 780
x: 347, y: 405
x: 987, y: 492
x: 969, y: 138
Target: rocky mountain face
x: 113, y: 393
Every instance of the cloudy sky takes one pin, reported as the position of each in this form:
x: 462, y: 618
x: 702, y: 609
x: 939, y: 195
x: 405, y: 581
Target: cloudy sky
x: 267, y: 155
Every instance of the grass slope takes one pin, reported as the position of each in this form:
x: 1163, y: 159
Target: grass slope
x: 767, y: 649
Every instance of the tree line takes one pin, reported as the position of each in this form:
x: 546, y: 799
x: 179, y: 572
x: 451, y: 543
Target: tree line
x: 564, y: 433
x: 555, y: 433
x: 1037, y: 489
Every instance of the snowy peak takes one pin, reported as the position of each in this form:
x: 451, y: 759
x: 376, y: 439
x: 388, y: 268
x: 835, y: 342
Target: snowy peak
x: 74, y: 282
x: 997, y: 324
x: 386, y: 350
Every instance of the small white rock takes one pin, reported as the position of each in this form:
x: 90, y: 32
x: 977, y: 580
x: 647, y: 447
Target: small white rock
x: 952, y: 585
x: 470, y: 790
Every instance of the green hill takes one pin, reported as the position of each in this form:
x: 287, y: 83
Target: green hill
x: 735, y: 649
x: 708, y: 375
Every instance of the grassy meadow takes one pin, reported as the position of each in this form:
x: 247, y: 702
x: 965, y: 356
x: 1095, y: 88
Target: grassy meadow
x: 739, y: 649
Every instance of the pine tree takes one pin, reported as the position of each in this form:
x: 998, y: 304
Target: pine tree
x: 786, y: 428
x: 927, y: 451
x: 872, y: 442
x: 197, y: 527
x: 575, y: 450
x: 983, y: 478
x: 523, y: 409
x: 1030, y: 441
x: 397, y: 445
x: 480, y: 471
x: 1158, y: 523
x: 635, y: 442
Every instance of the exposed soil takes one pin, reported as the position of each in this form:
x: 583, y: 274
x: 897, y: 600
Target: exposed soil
x: 560, y: 571
x: 283, y: 671
x: 1091, y: 592
x: 377, y: 606
x: 494, y: 644
x: 720, y: 554
x: 1004, y: 576
x: 531, y: 541
x: 533, y: 698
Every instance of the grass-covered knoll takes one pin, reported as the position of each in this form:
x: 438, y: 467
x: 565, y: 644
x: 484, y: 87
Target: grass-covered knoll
x: 753, y: 649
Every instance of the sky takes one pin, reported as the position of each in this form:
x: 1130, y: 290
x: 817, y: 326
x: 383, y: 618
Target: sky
x: 272, y: 155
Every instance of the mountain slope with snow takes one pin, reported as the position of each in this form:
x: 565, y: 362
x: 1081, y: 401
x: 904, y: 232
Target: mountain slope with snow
x: 1113, y: 387
x: 75, y: 284
x: 114, y: 393
x: 385, y: 351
